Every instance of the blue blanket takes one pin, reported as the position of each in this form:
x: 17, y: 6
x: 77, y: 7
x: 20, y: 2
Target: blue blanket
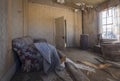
x: 50, y: 55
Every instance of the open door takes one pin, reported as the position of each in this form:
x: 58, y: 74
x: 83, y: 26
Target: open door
x: 60, y: 33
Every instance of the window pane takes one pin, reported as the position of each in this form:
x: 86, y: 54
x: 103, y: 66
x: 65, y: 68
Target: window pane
x: 104, y: 35
x: 104, y: 14
x: 110, y: 12
x: 109, y: 20
x: 104, y: 21
x: 109, y: 27
x: 110, y: 32
x: 104, y: 28
x: 109, y: 23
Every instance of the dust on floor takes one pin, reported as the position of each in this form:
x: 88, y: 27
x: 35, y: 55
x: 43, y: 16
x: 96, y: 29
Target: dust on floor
x: 107, y: 74
x: 77, y: 55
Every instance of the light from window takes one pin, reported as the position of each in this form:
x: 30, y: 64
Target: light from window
x: 108, y: 24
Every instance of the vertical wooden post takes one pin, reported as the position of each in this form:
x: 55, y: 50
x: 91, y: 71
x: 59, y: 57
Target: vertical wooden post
x: 9, y: 23
x: 82, y: 21
x: 25, y: 17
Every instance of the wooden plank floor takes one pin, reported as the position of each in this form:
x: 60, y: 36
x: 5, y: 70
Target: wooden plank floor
x: 101, y: 75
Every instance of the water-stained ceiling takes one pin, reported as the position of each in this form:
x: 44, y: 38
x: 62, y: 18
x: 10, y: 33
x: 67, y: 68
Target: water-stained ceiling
x: 91, y: 2
x: 71, y: 3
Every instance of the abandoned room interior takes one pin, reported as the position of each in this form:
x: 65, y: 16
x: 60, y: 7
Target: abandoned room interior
x: 60, y: 40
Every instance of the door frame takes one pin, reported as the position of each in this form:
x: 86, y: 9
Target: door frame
x: 65, y: 32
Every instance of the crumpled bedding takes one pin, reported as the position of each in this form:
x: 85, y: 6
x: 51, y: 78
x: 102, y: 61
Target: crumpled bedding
x: 42, y: 57
x: 51, y: 58
x: 30, y: 58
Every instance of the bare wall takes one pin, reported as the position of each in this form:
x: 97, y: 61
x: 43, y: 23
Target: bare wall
x: 17, y: 18
x: 11, y: 26
x: 91, y: 26
x: 42, y: 23
x: 3, y: 35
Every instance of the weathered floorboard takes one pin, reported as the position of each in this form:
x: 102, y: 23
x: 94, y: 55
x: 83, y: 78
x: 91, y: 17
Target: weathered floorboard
x: 76, y: 74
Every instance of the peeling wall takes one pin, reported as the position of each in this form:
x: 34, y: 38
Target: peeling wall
x: 3, y: 35
x: 107, y: 4
x: 78, y: 28
x: 42, y: 22
x: 11, y: 26
x: 17, y: 19
x: 91, y: 26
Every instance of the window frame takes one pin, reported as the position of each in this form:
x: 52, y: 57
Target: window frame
x: 106, y: 24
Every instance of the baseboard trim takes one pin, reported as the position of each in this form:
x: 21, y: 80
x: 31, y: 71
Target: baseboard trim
x: 9, y: 74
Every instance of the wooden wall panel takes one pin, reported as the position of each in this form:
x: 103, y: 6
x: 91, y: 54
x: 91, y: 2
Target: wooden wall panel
x: 78, y: 27
x: 11, y: 26
x: 17, y: 18
x: 42, y: 23
x: 91, y: 26
x: 3, y: 35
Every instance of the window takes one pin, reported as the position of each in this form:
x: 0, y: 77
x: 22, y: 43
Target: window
x: 109, y: 23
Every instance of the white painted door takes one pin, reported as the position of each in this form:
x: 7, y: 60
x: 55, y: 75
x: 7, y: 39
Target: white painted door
x: 60, y: 33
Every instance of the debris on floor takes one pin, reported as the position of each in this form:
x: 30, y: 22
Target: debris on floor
x: 80, y: 66
x: 108, y: 79
x: 63, y: 75
x: 76, y: 74
x: 77, y: 70
x: 113, y: 63
x: 96, y: 66
x: 104, y: 66
x: 89, y: 64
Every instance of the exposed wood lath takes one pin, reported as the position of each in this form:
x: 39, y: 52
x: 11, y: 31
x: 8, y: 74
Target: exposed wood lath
x: 70, y: 3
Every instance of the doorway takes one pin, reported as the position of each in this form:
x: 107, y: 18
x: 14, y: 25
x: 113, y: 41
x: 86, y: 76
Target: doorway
x: 61, y: 33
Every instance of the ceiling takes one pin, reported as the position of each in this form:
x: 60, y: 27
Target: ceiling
x: 71, y: 3
x: 91, y: 2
